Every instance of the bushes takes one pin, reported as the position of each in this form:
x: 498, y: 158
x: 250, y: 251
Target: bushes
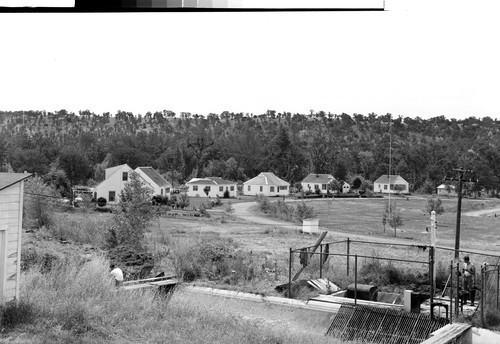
x: 304, y: 211
x: 14, y: 314
x: 101, y: 202
x: 283, y: 210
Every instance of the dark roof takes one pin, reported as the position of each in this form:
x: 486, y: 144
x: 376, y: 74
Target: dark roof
x: 210, y: 180
x: 318, y: 178
x: 155, y: 176
x: 8, y: 179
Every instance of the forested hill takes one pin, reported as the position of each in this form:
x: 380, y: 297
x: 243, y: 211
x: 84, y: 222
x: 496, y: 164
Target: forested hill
x: 238, y: 146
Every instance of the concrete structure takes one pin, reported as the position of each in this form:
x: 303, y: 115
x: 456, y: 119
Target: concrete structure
x: 154, y: 180
x: 346, y: 187
x: 215, y: 186
x: 391, y: 184
x: 114, y: 181
x: 317, y: 181
x: 446, y: 190
x: 310, y: 226
x: 11, y: 228
x: 268, y: 184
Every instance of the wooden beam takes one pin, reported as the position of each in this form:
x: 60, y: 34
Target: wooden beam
x: 318, y: 242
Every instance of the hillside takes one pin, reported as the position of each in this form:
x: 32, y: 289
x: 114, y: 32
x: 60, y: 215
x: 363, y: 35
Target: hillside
x: 238, y: 146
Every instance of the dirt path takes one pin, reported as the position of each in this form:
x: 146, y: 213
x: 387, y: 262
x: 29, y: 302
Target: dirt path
x: 485, y: 212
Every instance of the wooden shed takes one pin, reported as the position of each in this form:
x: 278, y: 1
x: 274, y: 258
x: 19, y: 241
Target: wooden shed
x: 11, y: 226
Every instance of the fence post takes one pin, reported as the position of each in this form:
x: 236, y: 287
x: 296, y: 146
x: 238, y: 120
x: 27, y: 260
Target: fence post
x: 355, y: 280
x: 483, y: 295
x: 348, y: 241
x: 321, y: 261
x: 498, y: 283
x: 451, y: 292
x: 290, y: 274
x: 431, y: 278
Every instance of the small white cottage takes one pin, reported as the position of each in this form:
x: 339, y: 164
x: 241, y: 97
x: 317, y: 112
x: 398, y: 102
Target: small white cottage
x: 11, y: 228
x: 268, y: 184
x: 391, y: 184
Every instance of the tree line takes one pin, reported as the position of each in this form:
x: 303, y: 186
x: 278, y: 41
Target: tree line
x: 69, y: 149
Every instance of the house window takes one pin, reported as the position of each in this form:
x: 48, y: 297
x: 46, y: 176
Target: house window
x: 125, y: 176
x: 261, y: 188
x: 161, y: 192
x: 385, y: 187
x: 221, y: 188
x: 248, y: 187
x: 232, y: 188
x: 207, y: 188
x: 195, y: 187
x: 167, y: 190
x: 316, y: 187
x: 323, y: 186
x: 112, y: 196
x: 271, y: 188
x: 284, y: 187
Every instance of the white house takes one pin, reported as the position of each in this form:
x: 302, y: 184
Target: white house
x: 317, y: 181
x: 155, y: 180
x: 446, y: 190
x: 11, y: 229
x: 114, y: 181
x: 215, y: 186
x: 391, y: 184
x: 268, y: 184
x: 346, y: 187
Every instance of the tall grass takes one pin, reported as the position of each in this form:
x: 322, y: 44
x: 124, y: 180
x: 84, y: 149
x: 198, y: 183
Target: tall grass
x: 75, y: 302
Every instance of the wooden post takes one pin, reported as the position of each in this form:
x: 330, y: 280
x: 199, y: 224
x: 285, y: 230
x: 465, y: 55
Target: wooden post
x: 498, y: 283
x: 318, y: 242
x: 320, y: 261
x: 348, y: 256
x: 290, y: 274
x: 483, y: 294
x: 457, y: 297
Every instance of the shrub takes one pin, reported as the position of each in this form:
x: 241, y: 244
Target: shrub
x: 304, y: 211
x: 101, y: 202
x: 14, y: 314
x: 182, y: 201
x: 38, y: 212
x: 226, y: 194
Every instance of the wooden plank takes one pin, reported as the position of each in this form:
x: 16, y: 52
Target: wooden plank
x: 9, y: 215
x: 9, y: 198
x: 11, y: 190
x: 9, y: 206
x: 447, y: 333
x: 162, y: 283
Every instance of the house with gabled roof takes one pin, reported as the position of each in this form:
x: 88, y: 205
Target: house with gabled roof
x: 446, y: 190
x: 114, y: 182
x: 391, y: 184
x: 215, y: 186
x: 268, y: 184
x: 11, y: 229
x: 317, y: 181
x: 155, y: 180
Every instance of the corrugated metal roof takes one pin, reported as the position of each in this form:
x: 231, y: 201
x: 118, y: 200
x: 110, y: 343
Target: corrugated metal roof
x: 367, y: 324
x: 155, y: 176
x: 8, y: 179
x: 385, y: 179
x: 267, y: 178
x: 318, y: 178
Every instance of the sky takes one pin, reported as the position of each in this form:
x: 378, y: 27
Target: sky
x: 418, y: 58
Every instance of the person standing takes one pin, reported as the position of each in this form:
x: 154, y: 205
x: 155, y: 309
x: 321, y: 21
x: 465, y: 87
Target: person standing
x: 117, y: 273
x: 469, y: 273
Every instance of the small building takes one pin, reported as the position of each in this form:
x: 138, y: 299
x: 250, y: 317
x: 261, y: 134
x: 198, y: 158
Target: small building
x: 160, y: 186
x: 215, y: 186
x: 317, y: 181
x: 446, y: 190
x: 114, y: 182
x: 346, y: 187
x: 268, y: 184
x: 11, y: 229
x: 391, y: 184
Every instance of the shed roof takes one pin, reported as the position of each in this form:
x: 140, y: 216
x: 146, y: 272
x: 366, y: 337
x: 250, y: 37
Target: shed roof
x: 267, y: 178
x: 386, y: 179
x: 9, y: 179
x: 210, y: 181
x: 156, y: 177
x: 318, y: 178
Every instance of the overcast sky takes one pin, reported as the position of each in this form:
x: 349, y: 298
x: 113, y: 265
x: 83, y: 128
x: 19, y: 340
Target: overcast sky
x: 415, y: 59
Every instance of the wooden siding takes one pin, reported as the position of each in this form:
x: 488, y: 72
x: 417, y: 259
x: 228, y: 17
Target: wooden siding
x: 11, y: 225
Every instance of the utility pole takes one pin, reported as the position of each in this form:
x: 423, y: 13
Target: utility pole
x: 460, y: 179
